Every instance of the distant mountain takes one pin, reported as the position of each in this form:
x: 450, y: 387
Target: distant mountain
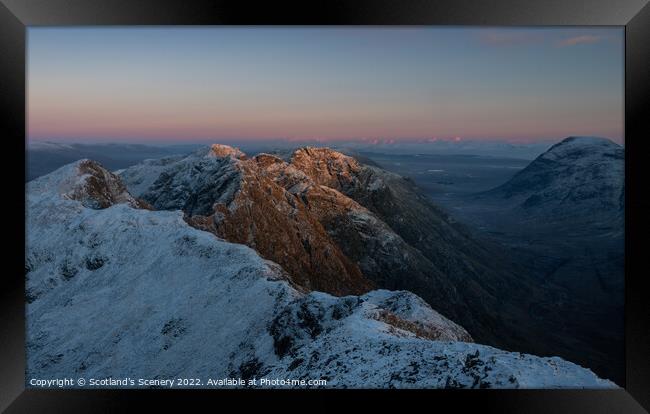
x: 580, y: 178
x: 116, y: 290
x: 43, y: 157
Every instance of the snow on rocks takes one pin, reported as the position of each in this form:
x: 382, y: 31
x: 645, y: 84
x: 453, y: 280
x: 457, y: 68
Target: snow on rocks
x: 119, y: 292
x: 87, y: 182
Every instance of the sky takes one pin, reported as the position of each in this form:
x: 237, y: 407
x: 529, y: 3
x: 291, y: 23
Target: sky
x: 190, y: 84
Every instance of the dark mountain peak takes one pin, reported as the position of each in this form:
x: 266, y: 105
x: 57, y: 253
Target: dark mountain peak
x: 572, y: 148
x: 579, y: 176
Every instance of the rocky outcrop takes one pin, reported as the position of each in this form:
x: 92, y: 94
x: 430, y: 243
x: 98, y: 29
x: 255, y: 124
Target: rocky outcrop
x: 326, y: 167
x: 382, y: 255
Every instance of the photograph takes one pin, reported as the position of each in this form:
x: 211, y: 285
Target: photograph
x: 325, y: 207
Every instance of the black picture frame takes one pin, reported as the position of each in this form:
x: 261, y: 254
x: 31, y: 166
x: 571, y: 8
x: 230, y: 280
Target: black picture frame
x: 16, y: 15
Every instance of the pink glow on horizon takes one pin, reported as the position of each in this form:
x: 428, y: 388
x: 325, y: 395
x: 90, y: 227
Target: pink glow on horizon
x: 96, y: 125
x: 101, y: 121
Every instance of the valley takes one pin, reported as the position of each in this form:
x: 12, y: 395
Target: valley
x: 579, y: 251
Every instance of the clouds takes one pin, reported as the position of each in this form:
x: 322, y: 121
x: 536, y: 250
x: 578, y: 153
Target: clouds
x: 537, y: 37
x: 578, y: 40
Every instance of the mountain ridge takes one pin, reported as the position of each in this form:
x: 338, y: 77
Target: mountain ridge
x: 124, y: 303
x: 376, y: 219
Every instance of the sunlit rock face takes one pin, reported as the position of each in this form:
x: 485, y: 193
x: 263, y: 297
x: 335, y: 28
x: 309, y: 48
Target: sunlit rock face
x: 239, y: 200
x: 221, y: 151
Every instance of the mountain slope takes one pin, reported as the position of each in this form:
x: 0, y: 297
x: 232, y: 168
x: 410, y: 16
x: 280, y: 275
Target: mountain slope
x: 382, y: 255
x: 570, y: 202
x: 120, y: 291
x: 579, y: 178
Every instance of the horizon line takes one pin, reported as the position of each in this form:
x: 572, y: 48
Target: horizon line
x: 368, y: 141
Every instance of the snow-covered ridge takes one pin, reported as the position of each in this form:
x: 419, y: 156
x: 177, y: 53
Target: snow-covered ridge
x: 118, y: 291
